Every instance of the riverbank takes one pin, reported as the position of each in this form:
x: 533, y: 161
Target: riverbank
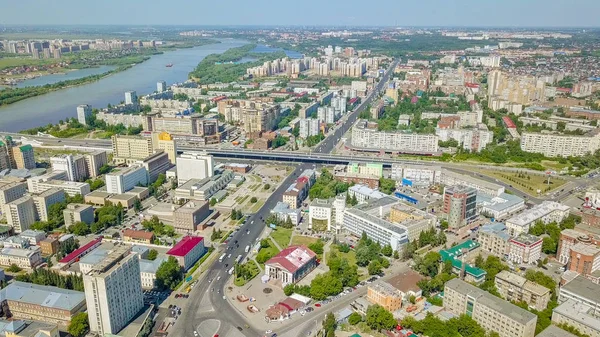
x: 13, y: 95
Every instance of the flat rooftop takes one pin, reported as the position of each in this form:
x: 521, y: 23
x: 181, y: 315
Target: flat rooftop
x: 46, y: 296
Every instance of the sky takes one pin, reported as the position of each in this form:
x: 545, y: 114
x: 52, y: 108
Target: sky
x: 497, y: 13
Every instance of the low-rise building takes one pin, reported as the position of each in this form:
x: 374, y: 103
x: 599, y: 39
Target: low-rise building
x: 525, y: 248
x: 148, y: 272
x: 122, y: 180
x: 493, y: 238
x: 385, y: 295
x: 457, y: 254
x: 33, y: 236
x: 491, y: 312
x: 363, y: 193
x: 547, y: 212
x: 187, y: 217
x: 204, y: 189
x: 516, y: 288
x: 43, y: 303
x: 283, y: 212
x: 291, y: 264
x: 72, y: 188
x: 554, y: 331
x: 188, y: 250
x: 132, y: 235
x: 49, y: 246
x: 499, y: 207
x: 577, y: 315
x: 22, y: 257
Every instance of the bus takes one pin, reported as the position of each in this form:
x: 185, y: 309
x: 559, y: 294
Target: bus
x: 222, y: 257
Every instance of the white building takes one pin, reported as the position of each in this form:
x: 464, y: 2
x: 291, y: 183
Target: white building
x: 161, y: 86
x: 193, y: 165
x: 84, y: 112
x: 327, y: 214
x: 283, y: 211
x: 113, y: 291
x: 524, y: 248
x: 131, y: 97
x: 500, y: 206
x: 22, y: 257
x: 123, y: 180
x: 554, y: 145
x: 366, y: 137
x: 309, y: 127
x: 450, y: 178
x: 20, y: 213
x: 34, y: 182
x: 74, y: 166
x: 547, y: 212
x: 33, y: 236
x: 417, y: 174
x: 368, y: 218
x: 469, y: 139
x: 364, y: 193
x: 148, y: 272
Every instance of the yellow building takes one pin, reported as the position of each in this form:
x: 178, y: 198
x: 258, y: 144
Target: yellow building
x: 385, y: 295
x: 128, y: 149
x: 164, y: 141
x: 401, y: 213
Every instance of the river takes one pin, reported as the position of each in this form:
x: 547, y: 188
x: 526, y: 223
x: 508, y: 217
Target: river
x: 142, y: 78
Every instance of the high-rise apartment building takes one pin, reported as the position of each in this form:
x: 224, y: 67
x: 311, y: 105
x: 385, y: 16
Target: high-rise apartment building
x: 84, y: 112
x: 193, y: 165
x: 128, y: 149
x: 94, y: 161
x: 11, y: 190
x: 164, y: 141
x: 161, y: 86
x: 74, y: 165
x: 20, y: 213
x: 113, y: 291
x: 255, y: 116
x: 554, y: 145
x: 365, y: 135
x: 42, y: 202
x: 131, y: 97
x: 491, y: 312
x: 460, y: 204
x: 15, y: 155
x: 309, y: 127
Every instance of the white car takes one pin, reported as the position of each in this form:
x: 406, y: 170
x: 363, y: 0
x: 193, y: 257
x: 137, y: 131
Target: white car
x: 269, y: 331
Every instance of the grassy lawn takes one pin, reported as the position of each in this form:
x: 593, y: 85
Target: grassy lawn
x: 303, y: 240
x: 350, y: 256
x: 257, y: 205
x: 243, y: 199
x: 271, y: 250
x: 555, y: 165
x: 254, y: 270
x: 282, y: 236
x: 529, y: 183
x: 10, y: 62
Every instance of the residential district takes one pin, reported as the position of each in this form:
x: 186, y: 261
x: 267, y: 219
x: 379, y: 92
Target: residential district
x: 341, y: 192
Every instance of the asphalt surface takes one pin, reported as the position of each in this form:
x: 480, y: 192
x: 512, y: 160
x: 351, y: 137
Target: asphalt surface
x: 214, y: 280
x: 329, y: 143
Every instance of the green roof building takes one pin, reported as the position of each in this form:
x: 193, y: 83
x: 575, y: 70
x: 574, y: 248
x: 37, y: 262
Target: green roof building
x: 455, y: 254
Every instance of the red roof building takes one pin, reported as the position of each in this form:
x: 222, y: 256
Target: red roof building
x: 509, y: 123
x: 291, y: 264
x: 187, y: 251
x: 81, y: 251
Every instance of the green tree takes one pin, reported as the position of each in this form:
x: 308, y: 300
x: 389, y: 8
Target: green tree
x: 289, y: 289
x: 267, y: 186
x: 169, y: 274
x: 387, y: 250
x: 79, y: 228
x: 253, y: 200
x: 137, y: 205
x: 325, y: 285
x: 386, y: 185
x: 317, y: 247
x: 396, y: 255
x: 79, y: 325
x: 13, y: 268
x: 213, y: 201
x: 374, y: 268
x: 355, y: 318
x: 152, y: 254
x: 380, y: 319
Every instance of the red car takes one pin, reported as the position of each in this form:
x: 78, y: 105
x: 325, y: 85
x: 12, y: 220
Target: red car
x: 318, y: 305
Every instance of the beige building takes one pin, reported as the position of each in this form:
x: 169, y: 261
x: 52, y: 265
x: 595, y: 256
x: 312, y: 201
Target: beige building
x: 412, y: 219
x: 494, y: 238
x: 521, y: 89
x: 491, y: 312
x: 20, y: 213
x: 113, y: 291
x: 187, y: 217
x: 516, y: 288
x: 23, y: 258
x: 164, y: 141
x: 23, y: 157
x: 554, y: 145
x: 32, y: 328
x: 11, y: 190
x: 127, y: 149
x: 94, y: 161
x: 44, y: 200
x: 78, y: 212
x: 254, y: 116
x: 365, y: 135
x: 385, y: 295
x: 43, y: 303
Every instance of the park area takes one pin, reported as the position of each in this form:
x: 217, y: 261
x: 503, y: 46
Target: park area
x: 526, y: 182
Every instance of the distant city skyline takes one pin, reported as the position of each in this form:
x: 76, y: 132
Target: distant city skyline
x: 467, y: 13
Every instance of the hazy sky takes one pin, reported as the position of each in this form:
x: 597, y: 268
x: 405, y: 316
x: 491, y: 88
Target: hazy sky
x: 304, y: 12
